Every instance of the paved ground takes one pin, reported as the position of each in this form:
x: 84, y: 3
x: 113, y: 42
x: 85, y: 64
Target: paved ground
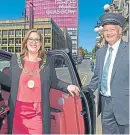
x: 98, y: 120
x: 98, y: 124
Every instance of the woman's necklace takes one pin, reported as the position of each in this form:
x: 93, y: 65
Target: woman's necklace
x: 30, y: 82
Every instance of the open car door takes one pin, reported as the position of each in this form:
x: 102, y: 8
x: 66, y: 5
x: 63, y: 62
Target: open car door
x: 70, y: 115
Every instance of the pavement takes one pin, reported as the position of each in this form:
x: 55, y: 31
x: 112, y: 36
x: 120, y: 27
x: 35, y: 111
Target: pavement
x: 98, y: 126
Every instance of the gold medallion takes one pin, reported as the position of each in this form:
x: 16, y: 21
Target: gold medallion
x: 30, y: 84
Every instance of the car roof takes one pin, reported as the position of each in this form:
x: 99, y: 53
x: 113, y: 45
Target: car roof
x: 5, y: 55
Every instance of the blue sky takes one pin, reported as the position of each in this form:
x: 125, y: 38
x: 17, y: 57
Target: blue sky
x: 89, y: 12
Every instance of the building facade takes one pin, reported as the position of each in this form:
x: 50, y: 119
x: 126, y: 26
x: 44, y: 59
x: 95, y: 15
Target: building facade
x: 12, y: 33
x: 122, y: 7
x: 63, y: 12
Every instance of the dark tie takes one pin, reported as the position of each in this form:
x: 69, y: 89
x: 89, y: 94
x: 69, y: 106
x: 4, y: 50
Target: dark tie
x: 105, y: 72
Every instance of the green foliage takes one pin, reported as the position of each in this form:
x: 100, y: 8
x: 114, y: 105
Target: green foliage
x: 86, y: 52
x: 93, y: 50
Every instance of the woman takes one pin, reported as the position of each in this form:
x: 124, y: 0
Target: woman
x: 31, y: 81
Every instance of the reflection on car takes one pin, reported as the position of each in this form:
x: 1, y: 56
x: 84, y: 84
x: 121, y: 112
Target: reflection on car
x: 59, y: 62
x: 79, y: 59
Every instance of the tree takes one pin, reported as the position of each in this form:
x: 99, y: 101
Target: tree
x: 85, y: 51
x: 94, y: 51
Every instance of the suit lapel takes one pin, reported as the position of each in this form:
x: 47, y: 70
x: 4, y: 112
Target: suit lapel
x: 42, y: 75
x: 119, y: 56
x: 15, y: 80
x: 43, y: 79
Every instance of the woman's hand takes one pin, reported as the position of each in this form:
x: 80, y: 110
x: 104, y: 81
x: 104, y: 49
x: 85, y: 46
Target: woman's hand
x: 73, y: 90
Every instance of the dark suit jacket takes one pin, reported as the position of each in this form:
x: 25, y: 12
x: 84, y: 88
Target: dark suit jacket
x: 48, y: 80
x: 119, y: 84
x: 5, y: 81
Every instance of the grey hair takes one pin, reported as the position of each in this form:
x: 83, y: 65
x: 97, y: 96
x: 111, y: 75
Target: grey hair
x: 119, y: 27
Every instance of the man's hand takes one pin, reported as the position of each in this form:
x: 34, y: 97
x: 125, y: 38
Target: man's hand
x: 73, y: 90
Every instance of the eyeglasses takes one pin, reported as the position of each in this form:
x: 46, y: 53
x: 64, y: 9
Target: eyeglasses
x: 34, y: 40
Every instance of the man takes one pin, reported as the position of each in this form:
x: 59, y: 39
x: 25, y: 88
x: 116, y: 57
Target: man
x: 111, y: 77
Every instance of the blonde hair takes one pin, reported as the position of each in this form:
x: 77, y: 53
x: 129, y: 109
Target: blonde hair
x: 41, y: 52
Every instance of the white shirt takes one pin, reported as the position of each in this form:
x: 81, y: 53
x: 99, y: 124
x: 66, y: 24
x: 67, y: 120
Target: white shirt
x: 114, y: 52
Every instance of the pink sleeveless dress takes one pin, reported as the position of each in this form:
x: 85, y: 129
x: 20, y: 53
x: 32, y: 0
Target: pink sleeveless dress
x: 27, y: 116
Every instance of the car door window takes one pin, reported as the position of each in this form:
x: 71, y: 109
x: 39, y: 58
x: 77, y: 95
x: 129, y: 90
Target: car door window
x: 4, y: 63
x: 62, y: 71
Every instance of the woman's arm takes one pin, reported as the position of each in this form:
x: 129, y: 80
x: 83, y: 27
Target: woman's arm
x: 63, y: 86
